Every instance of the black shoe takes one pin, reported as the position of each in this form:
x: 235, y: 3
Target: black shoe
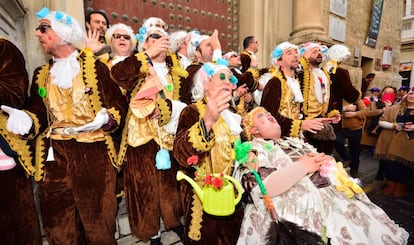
x: 179, y: 231
x: 354, y: 173
x: 156, y: 241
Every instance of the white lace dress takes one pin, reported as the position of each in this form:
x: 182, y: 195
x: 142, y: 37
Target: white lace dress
x: 347, y: 221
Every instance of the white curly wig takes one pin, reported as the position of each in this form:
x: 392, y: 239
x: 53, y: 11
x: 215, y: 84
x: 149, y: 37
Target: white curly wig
x: 125, y: 28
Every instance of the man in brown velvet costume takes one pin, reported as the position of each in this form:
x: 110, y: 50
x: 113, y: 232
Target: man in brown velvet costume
x: 207, y: 130
x: 342, y: 91
x: 248, y: 55
x: 201, y: 49
x: 282, y: 95
x: 151, y: 78
x: 74, y: 106
x: 19, y: 223
x: 316, y: 89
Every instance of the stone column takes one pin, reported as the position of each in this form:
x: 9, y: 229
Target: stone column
x: 307, y: 21
x: 269, y: 20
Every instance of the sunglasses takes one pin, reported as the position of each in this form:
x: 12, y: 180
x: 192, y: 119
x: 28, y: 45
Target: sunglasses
x: 155, y: 36
x: 118, y: 36
x: 42, y: 28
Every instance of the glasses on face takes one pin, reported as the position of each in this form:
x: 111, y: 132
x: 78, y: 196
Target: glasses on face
x: 42, y: 28
x: 118, y: 36
x: 155, y: 36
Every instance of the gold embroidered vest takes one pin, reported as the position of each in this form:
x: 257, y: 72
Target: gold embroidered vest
x: 288, y: 107
x: 70, y: 108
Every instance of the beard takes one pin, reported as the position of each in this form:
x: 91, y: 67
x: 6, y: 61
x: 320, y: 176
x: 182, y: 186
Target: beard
x: 293, y: 67
x: 315, y: 62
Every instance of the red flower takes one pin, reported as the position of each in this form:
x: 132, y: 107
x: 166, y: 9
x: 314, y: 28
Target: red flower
x: 218, y: 183
x: 208, y: 180
x: 192, y: 160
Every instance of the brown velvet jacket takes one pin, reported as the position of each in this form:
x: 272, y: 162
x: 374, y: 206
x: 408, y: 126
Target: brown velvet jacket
x: 215, y: 230
x: 271, y: 101
x: 107, y: 95
x: 14, y: 82
x: 187, y: 83
x: 246, y: 59
x: 341, y: 89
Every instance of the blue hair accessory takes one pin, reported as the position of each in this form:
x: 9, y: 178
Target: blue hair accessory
x: 42, y: 13
x: 208, y: 69
x: 61, y: 17
x: 143, y: 30
x: 68, y: 20
x: 234, y: 80
x: 302, y: 51
x: 324, y: 49
x: 197, y: 32
x: 221, y: 61
x: 196, y: 43
x: 277, y: 53
x: 140, y: 37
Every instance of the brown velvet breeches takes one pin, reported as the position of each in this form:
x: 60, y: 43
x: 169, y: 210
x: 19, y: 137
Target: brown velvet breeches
x: 150, y: 194
x: 77, y: 197
x: 19, y: 222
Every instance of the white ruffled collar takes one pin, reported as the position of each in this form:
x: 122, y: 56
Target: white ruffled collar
x: 64, y: 70
x: 233, y: 121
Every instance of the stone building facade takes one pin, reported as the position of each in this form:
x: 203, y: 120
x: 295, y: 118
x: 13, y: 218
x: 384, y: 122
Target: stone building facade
x: 331, y: 22
x: 271, y: 21
x: 407, y: 44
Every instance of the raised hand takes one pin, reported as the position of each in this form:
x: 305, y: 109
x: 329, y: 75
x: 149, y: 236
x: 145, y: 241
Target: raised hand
x: 218, y: 101
x: 214, y: 40
x: 92, y: 41
x: 157, y: 46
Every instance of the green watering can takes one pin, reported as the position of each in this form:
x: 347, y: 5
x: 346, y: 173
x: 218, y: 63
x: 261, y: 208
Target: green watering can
x: 218, y: 202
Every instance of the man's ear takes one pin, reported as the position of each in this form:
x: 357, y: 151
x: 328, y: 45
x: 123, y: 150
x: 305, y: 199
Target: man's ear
x: 88, y: 26
x: 198, y: 55
x: 254, y: 130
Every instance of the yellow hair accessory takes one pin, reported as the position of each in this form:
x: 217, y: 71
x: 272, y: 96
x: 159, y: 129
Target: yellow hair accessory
x: 248, y: 121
